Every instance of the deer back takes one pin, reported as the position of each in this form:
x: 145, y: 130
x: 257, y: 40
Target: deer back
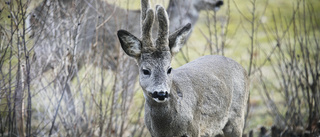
x: 211, y: 84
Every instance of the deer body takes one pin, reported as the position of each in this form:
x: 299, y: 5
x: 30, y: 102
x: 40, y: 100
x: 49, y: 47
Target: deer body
x: 188, y: 11
x: 206, y: 97
x: 205, y: 94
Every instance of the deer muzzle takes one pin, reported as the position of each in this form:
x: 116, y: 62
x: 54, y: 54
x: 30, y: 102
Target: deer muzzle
x: 161, y: 96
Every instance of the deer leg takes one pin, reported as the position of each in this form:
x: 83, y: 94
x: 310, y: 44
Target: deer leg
x: 69, y: 99
x: 63, y: 85
x: 234, y: 127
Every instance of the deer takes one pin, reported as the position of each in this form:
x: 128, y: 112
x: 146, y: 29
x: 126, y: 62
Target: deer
x: 96, y: 22
x: 205, y: 97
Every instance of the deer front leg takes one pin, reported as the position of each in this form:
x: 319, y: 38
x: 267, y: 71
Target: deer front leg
x: 233, y: 128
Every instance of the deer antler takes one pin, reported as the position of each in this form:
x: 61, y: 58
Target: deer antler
x: 147, y: 18
x: 163, y: 34
x: 145, y: 5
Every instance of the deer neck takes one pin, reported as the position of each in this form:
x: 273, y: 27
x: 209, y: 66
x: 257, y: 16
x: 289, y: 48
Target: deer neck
x: 181, y: 12
x: 163, y: 117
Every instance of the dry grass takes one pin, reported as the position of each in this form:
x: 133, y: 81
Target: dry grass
x: 247, y: 31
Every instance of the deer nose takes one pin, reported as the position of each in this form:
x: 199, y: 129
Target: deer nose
x: 161, y: 95
x: 219, y: 3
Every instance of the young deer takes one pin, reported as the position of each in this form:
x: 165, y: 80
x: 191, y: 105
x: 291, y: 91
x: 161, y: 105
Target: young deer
x: 85, y: 32
x: 206, y: 97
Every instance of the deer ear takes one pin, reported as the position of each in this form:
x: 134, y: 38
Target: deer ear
x: 129, y: 43
x: 178, y: 38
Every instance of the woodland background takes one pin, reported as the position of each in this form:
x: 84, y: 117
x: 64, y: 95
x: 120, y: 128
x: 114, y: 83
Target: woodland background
x: 276, y: 41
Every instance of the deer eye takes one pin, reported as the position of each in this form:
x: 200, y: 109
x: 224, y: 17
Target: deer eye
x: 146, y: 72
x: 169, y: 70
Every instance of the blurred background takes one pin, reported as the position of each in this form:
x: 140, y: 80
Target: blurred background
x: 62, y: 72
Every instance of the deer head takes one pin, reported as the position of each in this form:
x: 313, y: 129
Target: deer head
x: 208, y: 4
x: 154, y: 57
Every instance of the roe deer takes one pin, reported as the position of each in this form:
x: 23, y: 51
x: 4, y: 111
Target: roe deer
x: 206, y: 97
x: 72, y: 33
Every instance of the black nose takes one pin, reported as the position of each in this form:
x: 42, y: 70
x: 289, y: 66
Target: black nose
x: 219, y: 3
x: 160, y: 95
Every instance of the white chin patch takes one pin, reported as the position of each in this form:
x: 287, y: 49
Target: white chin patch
x: 160, y: 101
